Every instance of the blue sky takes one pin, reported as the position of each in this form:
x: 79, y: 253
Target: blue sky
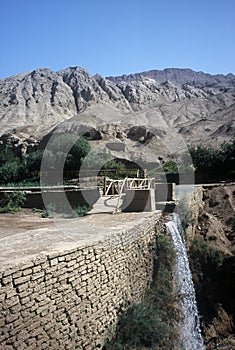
x: 114, y: 37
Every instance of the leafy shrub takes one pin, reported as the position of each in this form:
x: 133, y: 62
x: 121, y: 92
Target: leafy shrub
x: 46, y: 214
x: 77, y: 212
x: 170, y: 167
x: 12, y: 171
x: 112, y: 169
x: 78, y: 152
x: 206, y: 262
x: 140, y: 325
x: 82, y: 211
x: 33, y: 161
x: 65, y: 211
x: 203, y: 255
x: 6, y: 155
x: 206, y: 158
x: 213, y: 275
x: 11, y: 202
x: 95, y: 159
x: 60, y: 153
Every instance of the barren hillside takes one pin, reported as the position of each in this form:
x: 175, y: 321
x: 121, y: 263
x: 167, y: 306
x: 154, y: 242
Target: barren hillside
x: 197, y: 106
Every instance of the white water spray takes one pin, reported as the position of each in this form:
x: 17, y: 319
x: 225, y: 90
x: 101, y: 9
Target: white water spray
x: 190, y: 334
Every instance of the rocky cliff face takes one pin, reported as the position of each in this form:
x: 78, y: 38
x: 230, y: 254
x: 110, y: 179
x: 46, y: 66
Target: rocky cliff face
x: 197, y: 106
x: 210, y: 222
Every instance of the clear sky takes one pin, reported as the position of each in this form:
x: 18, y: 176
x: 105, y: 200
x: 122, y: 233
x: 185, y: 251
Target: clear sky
x: 114, y: 37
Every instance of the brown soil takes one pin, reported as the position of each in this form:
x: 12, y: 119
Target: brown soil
x: 215, y: 219
x: 24, y: 220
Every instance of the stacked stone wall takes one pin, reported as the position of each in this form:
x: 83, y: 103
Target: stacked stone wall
x: 72, y: 300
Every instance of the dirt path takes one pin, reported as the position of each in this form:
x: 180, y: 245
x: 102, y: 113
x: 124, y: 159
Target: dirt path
x: 11, y: 224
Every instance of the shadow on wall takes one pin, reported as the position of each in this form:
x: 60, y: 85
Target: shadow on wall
x: 75, y: 197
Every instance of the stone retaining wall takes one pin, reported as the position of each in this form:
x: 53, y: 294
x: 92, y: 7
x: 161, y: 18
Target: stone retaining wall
x: 72, y: 300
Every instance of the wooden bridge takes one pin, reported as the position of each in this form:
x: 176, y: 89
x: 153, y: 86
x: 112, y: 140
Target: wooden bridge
x: 113, y: 192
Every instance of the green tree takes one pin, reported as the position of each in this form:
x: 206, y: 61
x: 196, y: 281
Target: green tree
x: 33, y: 161
x: 77, y: 153
x: 206, y: 158
x: 6, y: 155
x: 112, y: 168
x: 12, y: 171
x: 96, y: 160
x: 68, y: 149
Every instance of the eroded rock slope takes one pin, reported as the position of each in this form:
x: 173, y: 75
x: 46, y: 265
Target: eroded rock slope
x: 198, y: 106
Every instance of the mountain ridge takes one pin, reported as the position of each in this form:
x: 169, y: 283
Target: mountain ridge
x: 174, y: 74
x: 229, y: 75
x: 196, y: 105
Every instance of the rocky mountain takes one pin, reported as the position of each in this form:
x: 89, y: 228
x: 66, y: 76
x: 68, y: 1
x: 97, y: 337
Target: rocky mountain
x: 197, y: 107
x: 181, y: 76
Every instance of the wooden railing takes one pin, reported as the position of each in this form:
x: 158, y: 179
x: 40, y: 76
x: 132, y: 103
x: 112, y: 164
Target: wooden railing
x: 112, y: 187
x: 122, y: 190
x: 119, y: 187
x: 137, y: 183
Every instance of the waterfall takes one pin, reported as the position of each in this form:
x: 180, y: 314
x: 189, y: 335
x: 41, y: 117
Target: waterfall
x: 190, y: 334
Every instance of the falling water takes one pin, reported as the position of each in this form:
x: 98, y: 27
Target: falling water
x: 190, y: 337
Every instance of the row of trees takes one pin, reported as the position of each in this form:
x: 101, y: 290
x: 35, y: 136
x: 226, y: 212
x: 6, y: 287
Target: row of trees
x: 69, y: 152
x: 65, y: 151
x: 207, y: 159
x: 14, y: 169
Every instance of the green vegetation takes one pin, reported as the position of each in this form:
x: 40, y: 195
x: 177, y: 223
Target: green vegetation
x: 45, y: 213
x: 170, y: 167
x: 204, y: 255
x: 68, y: 213
x: 11, y: 171
x: 213, y: 274
x: 77, y: 212
x: 60, y: 154
x: 150, y: 324
x: 60, y: 151
x: 205, y: 262
x: 11, y: 202
x: 15, y: 170
x: 211, y: 160
x: 23, y: 170
x: 114, y: 169
x: 49, y: 211
x: 108, y: 166
x: 205, y: 160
